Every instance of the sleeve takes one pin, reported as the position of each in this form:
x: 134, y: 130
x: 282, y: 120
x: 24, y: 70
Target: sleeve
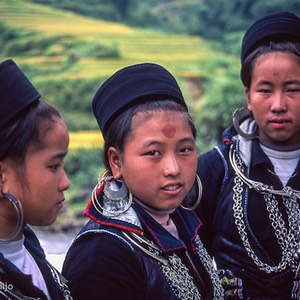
x: 102, y: 266
x: 211, y: 171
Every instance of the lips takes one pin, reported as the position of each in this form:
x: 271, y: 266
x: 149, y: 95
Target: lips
x: 171, y: 187
x: 60, y: 203
x: 279, y: 121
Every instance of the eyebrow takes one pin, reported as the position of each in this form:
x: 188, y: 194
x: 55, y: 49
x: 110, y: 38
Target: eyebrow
x: 59, y: 155
x: 267, y: 82
x: 292, y: 82
x: 263, y: 82
x: 155, y: 142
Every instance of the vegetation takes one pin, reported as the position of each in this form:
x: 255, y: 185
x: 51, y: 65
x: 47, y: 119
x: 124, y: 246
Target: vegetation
x: 68, y: 56
x: 69, y: 48
x: 218, y: 20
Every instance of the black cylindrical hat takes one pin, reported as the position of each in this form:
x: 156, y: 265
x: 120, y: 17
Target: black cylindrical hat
x: 16, y: 91
x: 131, y: 85
x: 280, y: 25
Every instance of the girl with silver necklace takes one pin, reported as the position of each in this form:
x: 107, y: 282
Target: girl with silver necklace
x: 142, y: 241
x: 252, y: 218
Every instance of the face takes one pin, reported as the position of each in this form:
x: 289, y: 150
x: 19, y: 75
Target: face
x: 274, y: 97
x: 43, y: 195
x: 159, y: 160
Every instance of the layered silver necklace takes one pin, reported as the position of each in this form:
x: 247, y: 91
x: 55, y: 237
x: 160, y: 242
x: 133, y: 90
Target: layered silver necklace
x: 288, y: 236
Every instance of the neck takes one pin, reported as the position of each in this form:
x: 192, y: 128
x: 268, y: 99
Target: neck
x: 279, y: 146
x: 154, y: 211
x: 162, y: 217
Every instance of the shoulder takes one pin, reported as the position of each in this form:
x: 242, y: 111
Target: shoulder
x: 98, y: 261
x: 111, y: 236
x: 214, y: 161
x: 99, y: 247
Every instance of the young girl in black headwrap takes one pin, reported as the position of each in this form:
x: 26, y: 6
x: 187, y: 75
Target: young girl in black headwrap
x: 33, y: 143
x: 142, y: 238
x: 251, y: 184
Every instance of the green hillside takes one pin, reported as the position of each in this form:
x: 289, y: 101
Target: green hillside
x: 183, y: 55
x: 179, y: 53
x: 68, y: 56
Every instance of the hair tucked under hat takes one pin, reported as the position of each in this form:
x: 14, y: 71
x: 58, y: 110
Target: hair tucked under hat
x: 131, y: 85
x: 273, y: 27
x: 16, y: 91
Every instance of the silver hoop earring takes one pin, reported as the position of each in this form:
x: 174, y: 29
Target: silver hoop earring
x: 117, y: 199
x: 199, y: 183
x: 115, y: 192
x: 20, y: 225
x: 237, y: 116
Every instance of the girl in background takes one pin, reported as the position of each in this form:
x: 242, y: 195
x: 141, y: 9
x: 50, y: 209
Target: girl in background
x: 34, y: 141
x: 251, y: 184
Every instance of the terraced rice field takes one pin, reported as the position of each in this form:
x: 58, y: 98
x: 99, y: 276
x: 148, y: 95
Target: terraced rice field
x: 179, y: 53
x: 185, y: 56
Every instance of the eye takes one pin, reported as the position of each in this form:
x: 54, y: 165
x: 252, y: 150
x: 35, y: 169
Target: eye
x: 293, y: 90
x: 264, y: 91
x: 54, y: 167
x: 186, y: 150
x: 153, y: 153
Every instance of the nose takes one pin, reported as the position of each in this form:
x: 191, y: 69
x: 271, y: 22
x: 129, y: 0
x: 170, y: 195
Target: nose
x: 64, y: 183
x: 171, y: 166
x: 279, y: 103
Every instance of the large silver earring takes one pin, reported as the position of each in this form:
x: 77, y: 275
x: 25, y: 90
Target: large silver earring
x: 117, y: 199
x: 237, y: 116
x: 199, y: 183
x: 20, y: 214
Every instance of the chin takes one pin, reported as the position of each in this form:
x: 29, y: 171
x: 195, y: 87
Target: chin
x: 45, y: 222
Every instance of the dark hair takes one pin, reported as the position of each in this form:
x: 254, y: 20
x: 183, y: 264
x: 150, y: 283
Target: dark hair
x: 29, y: 128
x: 272, y: 46
x: 120, y: 128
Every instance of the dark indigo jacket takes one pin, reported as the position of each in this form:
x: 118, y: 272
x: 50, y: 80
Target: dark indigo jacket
x: 12, y: 280
x: 219, y: 232
x: 103, y: 264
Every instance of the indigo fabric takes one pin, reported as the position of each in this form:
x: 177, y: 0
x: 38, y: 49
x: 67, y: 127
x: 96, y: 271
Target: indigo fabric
x: 273, y: 27
x: 16, y: 91
x: 131, y: 85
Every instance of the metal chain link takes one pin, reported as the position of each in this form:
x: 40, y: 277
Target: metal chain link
x: 288, y: 239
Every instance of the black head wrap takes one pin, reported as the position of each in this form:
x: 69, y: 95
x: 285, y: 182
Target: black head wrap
x: 273, y: 27
x: 16, y: 91
x: 131, y: 85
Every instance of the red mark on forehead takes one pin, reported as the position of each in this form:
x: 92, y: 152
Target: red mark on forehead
x: 169, y: 131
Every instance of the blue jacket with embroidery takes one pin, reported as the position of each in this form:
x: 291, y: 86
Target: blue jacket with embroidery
x: 103, y: 263
x: 219, y: 231
x: 14, y: 283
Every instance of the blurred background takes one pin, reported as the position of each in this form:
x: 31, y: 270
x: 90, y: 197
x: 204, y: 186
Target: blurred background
x: 68, y: 48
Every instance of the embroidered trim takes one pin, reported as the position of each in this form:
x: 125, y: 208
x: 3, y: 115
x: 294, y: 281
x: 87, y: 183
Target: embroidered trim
x: 61, y: 282
x: 106, y: 232
x: 177, y: 274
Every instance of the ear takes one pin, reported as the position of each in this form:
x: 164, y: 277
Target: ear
x: 247, y: 95
x: 2, y: 177
x: 114, y: 159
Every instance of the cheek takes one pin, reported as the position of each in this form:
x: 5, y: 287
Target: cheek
x: 16, y: 185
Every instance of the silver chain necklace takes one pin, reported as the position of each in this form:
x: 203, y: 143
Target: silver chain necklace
x: 176, y: 272
x: 288, y: 238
